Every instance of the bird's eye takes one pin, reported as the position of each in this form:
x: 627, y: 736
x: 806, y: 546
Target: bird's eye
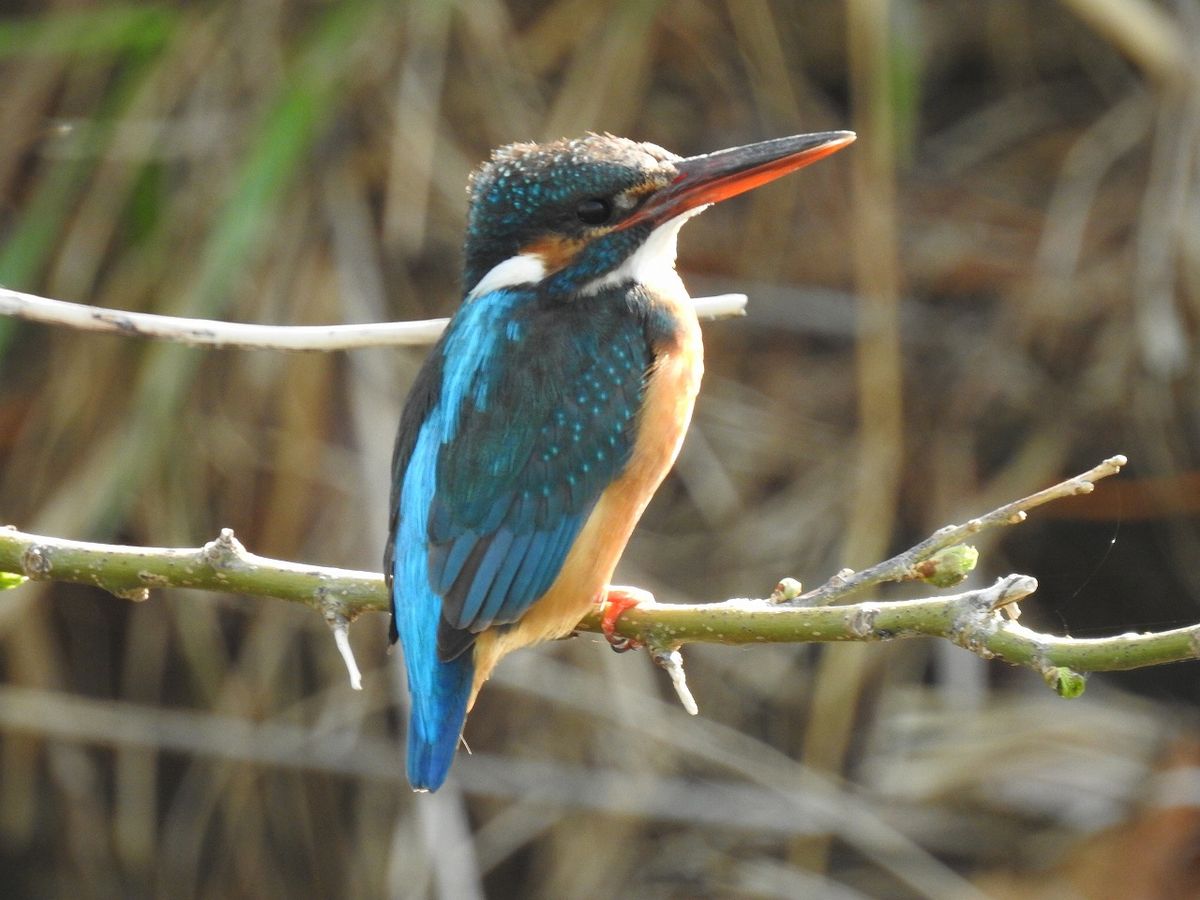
x: 594, y: 211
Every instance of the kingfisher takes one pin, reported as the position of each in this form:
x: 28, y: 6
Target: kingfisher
x: 551, y: 408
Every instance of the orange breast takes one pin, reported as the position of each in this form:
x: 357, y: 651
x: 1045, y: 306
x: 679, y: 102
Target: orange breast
x: 663, y: 419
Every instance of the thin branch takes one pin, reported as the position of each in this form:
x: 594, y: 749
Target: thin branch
x: 907, y: 565
x: 971, y: 619
x: 671, y: 661
x: 204, y: 332
x: 220, y: 565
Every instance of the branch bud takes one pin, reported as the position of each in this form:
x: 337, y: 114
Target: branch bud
x: 947, y: 567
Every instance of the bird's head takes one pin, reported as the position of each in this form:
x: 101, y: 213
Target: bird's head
x: 578, y: 214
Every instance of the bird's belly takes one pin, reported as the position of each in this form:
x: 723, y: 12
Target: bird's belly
x: 663, y: 420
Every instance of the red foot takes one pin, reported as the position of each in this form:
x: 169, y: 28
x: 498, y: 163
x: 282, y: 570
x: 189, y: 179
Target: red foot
x: 616, y: 601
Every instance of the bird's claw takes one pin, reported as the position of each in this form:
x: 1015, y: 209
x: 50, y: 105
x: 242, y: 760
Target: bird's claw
x: 616, y: 601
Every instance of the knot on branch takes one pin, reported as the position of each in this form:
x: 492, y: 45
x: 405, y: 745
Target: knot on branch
x: 35, y: 561
x: 121, y: 321
x: 978, y: 618
x: 972, y: 632
x: 862, y: 625
x: 333, y: 610
x: 224, y: 551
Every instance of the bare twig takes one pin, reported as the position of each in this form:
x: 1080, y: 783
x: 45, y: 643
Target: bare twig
x: 340, y: 626
x: 204, y: 332
x: 902, y: 566
x: 672, y: 662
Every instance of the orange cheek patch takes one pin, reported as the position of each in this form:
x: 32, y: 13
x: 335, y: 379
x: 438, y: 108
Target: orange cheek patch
x: 554, y: 251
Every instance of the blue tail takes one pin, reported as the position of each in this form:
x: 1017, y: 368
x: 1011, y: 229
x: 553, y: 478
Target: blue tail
x: 438, y: 691
x: 435, y: 721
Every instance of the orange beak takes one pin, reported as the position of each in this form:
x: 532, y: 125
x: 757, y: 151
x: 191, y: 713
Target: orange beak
x: 714, y: 177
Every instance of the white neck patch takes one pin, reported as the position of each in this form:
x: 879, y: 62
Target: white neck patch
x: 653, y: 263
x: 524, y: 268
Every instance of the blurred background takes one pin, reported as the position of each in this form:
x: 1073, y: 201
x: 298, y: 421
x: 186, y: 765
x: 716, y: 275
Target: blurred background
x: 996, y: 287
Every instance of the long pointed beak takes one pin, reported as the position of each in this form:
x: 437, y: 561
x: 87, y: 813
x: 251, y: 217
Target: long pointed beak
x: 714, y: 177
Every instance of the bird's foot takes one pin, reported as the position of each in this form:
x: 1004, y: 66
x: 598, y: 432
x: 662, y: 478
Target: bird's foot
x: 617, y: 599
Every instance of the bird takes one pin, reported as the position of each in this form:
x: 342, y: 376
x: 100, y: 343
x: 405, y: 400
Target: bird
x: 550, y: 409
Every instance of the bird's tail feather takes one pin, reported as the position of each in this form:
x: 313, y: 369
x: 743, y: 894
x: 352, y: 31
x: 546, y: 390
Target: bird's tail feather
x: 435, y: 721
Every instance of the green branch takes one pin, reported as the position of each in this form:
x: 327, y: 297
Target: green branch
x: 220, y: 565
x: 982, y: 621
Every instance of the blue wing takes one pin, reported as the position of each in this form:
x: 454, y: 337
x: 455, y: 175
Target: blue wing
x: 520, y: 418
x: 543, y: 421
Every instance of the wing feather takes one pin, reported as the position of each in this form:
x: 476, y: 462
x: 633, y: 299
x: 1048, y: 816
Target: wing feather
x: 542, y: 425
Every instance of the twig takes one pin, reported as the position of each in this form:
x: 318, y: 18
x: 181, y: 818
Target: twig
x: 902, y: 566
x: 970, y: 619
x: 672, y: 662
x: 204, y: 332
x: 340, y: 626
x: 220, y: 565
